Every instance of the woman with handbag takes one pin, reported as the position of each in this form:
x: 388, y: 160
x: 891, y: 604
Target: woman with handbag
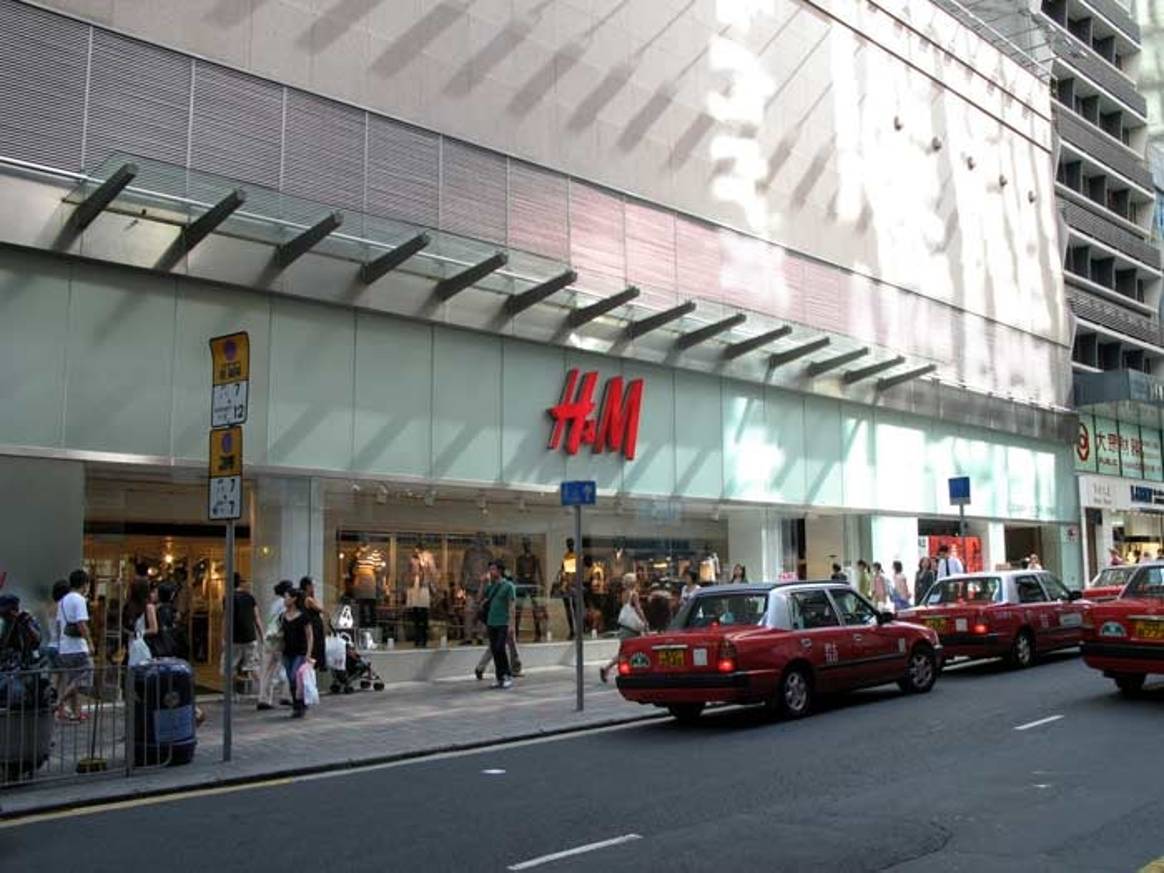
x: 298, y: 644
x: 631, y: 621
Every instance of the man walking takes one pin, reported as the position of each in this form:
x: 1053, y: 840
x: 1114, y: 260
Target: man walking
x: 499, y: 595
x: 511, y: 641
x: 948, y: 565
x: 271, y: 673
x: 248, y: 627
x: 75, y: 652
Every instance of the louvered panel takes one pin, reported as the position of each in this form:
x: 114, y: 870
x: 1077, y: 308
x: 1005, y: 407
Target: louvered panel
x: 936, y: 331
x: 742, y: 273
x: 537, y: 211
x: 786, y: 281
x: 596, y: 232
x: 139, y: 103
x: 323, y: 152
x: 473, y: 191
x: 650, y: 254
x: 42, y: 86
x: 858, y: 310
x: 698, y: 260
x: 823, y: 304
x: 237, y: 128
x: 403, y: 172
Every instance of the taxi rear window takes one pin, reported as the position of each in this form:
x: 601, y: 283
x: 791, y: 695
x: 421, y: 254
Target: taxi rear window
x: 976, y: 589
x: 1113, y: 576
x: 719, y: 610
x: 1147, y: 583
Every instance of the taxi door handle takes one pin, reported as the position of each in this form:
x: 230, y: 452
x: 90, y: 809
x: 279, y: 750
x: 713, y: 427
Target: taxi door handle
x: 857, y: 637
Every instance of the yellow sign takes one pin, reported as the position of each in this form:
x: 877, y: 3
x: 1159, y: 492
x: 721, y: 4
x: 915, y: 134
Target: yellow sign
x: 232, y: 358
x: 226, y: 452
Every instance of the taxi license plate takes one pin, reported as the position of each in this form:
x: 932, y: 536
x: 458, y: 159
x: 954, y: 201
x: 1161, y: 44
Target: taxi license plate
x: 938, y: 624
x: 671, y: 658
x: 1149, y: 630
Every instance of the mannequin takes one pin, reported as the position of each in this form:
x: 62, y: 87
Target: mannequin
x: 421, y: 588
x: 709, y: 568
x: 620, y: 563
x: 567, y: 573
x: 528, y: 571
x: 370, y: 565
x: 474, y: 570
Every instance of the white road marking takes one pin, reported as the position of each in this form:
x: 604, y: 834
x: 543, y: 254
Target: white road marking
x: 1034, y: 724
x: 493, y: 771
x: 578, y: 850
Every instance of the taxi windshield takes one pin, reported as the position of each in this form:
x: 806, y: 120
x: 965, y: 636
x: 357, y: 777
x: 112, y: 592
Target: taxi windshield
x: 976, y: 589
x: 721, y: 610
x: 1149, y: 583
x: 1113, y: 576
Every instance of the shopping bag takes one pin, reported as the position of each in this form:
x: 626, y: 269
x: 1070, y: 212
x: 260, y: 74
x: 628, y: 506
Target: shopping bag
x: 306, y: 678
x: 336, y: 652
x: 344, y: 620
x: 628, y: 618
x: 139, y: 652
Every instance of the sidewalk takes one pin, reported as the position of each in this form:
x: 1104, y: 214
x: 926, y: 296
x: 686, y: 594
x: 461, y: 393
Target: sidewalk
x: 405, y: 720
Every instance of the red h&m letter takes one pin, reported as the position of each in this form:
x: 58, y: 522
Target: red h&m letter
x: 572, y: 415
x: 618, y: 424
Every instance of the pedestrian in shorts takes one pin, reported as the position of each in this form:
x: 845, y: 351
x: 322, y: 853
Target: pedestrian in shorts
x: 75, y: 649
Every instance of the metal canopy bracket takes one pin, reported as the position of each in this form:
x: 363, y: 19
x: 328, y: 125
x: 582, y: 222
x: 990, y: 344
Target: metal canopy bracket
x: 519, y: 303
x: 891, y: 381
x: 781, y: 358
x: 736, y: 350
x: 389, y: 261
x: 290, y: 251
x: 654, y: 322
x: 586, y: 314
x: 448, y: 288
x: 703, y: 334
x: 93, y: 205
x: 851, y: 376
x: 209, y: 220
x: 816, y: 368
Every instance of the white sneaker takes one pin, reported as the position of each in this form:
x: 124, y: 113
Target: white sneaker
x: 506, y: 683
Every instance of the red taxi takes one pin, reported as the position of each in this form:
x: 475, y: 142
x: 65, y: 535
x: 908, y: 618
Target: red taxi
x: 776, y: 645
x: 1109, y: 582
x: 1014, y: 614
x: 1125, y: 637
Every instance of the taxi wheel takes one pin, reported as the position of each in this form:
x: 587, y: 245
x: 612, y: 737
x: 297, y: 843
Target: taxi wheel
x: 686, y: 713
x: 1130, y: 684
x: 922, y: 671
x: 1022, y: 650
x: 794, y: 696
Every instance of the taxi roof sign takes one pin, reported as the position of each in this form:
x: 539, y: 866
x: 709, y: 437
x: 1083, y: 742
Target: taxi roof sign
x: 231, y: 355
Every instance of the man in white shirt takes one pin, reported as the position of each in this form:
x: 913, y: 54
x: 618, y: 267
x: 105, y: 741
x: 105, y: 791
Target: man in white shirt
x: 75, y: 647
x: 947, y: 564
x: 272, y: 676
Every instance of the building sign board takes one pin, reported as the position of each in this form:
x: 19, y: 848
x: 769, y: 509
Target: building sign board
x: 1107, y: 446
x: 1131, y: 451
x: 1085, y: 445
x: 1152, y: 457
x: 612, y: 426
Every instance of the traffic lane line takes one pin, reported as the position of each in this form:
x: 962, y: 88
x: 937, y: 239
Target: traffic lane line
x: 577, y: 850
x: 1035, y: 724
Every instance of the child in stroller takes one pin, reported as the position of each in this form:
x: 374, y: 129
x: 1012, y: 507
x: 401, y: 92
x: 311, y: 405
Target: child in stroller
x: 356, y: 670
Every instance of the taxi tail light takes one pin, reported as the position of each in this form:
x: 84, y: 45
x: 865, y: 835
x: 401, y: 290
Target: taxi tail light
x: 624, y: 667
x: 1086, y: 621
x: 980, y: 626
x: 725, y: 659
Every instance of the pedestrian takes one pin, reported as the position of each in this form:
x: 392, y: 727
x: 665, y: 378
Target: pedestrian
x: 1160, y: 554
x: 139, y: 615
x: 658, y: 608
x: 172, y: 640
x: 880, y: 585
x: 739, y: 574
x: 499, y: 596
x: 948, y: 565
x: 298, y: 644
x: 632, y: 622
x: 315, y: 614
x: 690, y: 587
x: 923, y: 580
x: 1114, y: 558
x: 248, y: 629
x: 418, y: 601
x: 1034, y: 563
x: 864, y: 578
x: 272, y: 674
x: 19, y: 635
x: 76, y: 647
x: 52, y: 647
x: 838, y: 574
x: 510, y: 645
x: 900, y: 591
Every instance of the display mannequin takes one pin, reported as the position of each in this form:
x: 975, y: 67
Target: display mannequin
x: 567, y: 573
x: 528, y: 571
x: 620, y: 563
x: 421, y: 587
x: 709, y: 568
x: 598, y: 588
x: 369, y: 570
x: 474, y: 570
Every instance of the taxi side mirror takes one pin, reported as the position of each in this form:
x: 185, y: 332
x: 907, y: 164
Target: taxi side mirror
x: 1074, y: 595
x: 886, y: 616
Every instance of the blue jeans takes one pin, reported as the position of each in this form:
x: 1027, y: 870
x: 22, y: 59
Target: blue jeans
x: 291, y: 664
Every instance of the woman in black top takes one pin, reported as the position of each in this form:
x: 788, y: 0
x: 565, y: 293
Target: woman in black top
x: 314, y: 610
x: 297, y: 644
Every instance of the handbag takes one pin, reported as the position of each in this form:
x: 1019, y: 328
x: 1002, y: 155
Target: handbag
x: 139, y: 652
x: 483, y: 607
x: 629, y: 619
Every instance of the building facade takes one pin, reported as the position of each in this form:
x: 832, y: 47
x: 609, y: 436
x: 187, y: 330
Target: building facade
x: 769, y: 273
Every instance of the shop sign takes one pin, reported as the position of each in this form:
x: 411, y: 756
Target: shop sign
x: 615, y: 428
x: 1085, y: 445
x: 226, y: 461
x: 1107, y: 446
x: 1131, y: 451
x: 1147, y: 494
x: 1099, y: 494
x: 1152, y: 458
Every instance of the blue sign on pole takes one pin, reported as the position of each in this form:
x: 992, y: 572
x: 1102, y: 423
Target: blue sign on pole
x: 959, y: 490
x: 579, y: 493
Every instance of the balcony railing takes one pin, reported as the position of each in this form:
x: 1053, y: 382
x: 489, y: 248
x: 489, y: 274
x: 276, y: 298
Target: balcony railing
x: 1087, y: 306
x: 1097, y: 226
x: 1087, y: 138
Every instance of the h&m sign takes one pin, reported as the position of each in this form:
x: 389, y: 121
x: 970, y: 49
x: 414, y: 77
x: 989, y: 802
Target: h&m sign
x: 612, y: 426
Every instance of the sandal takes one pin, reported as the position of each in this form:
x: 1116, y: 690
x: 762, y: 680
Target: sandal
x: 602, y: 674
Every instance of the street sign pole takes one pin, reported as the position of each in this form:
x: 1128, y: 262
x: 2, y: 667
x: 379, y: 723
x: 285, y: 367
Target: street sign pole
x: 579, y: 612
x: 962, y: 535
x: 227, y: 643
x: 959, y: 487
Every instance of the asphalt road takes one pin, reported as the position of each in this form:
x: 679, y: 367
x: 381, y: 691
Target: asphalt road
x: 873, y: 781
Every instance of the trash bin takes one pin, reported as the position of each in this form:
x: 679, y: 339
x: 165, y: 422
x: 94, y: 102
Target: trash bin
x: 163, y: 713
x: 26, y: 723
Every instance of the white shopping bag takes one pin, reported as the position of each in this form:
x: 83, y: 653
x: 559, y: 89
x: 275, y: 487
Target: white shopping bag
x: 306, y: 676
x: 335, y: 649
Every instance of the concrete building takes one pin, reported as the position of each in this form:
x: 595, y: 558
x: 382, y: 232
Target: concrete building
x: 822, y: 234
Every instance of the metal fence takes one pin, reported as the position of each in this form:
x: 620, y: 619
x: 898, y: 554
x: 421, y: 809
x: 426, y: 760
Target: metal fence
x: 68, y: 724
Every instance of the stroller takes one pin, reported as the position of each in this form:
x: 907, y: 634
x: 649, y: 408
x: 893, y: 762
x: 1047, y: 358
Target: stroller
x: 356, y: 670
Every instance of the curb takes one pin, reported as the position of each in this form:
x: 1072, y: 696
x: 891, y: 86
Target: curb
x: 292, y: 772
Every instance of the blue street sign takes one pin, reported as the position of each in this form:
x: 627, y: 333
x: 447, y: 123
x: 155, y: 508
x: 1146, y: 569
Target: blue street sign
x: 579, y: 493
x: 959, y: 490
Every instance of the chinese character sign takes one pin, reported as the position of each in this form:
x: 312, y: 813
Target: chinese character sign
x: 1107, y: 446
x: 612, y: 426
x: 1085, y: 445
x: 1131, y: 451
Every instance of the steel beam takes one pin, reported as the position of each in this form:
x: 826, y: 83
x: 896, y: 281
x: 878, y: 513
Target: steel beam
x: 891, y: 381
x: 104, y: 194
x: 193, y: 233
x: 703, y: 334
x: 447, y: 289
x: 519, y: 303
x: 389, y: 261
x: 781, y: 358
x: 586, y: 314
x: 736, y: 350
x: 654, y: 322
x: 851, y: 376
x: 816, y: 368
x: 290, y: 251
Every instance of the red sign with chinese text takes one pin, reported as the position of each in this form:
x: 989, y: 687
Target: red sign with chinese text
x: 616, y: 427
